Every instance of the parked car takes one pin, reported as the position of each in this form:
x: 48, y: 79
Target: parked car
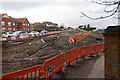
x: 7, y: 34
x: 34, y: 32
x: 44, y: 31
x: 19, y: 33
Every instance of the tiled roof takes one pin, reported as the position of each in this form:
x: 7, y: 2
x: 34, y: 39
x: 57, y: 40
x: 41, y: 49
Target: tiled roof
x: 1, y: 15
x: 18, y: 20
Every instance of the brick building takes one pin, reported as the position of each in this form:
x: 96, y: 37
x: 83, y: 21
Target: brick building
x: 22, y: 24
x: 50, y: 24
x: 7, y: 23
x: 10, y: 24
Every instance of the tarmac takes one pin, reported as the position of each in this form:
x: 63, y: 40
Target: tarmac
x: 91, y: 68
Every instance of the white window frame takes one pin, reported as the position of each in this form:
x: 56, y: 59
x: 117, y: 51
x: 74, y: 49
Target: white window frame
x: 9, y: 29
x: 13, y: 24
x: 23, y: 23
x: 3, y: 29
x: 3, y: 23
x: 13, y: 29
x: 9, y: 23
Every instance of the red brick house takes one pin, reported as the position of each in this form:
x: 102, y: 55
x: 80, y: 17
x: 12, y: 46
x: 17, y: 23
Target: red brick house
x: 13, y: 24
x: 22, y: 24
x: 7, y: 23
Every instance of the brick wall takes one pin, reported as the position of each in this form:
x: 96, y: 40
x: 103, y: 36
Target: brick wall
x: 6, y: 20
x: 24, y: 27
x: 112, y: 52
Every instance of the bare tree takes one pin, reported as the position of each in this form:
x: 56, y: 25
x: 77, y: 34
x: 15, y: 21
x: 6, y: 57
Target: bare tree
x: 107, y: 3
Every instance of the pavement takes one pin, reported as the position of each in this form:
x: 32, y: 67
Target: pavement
x: 92, y: 67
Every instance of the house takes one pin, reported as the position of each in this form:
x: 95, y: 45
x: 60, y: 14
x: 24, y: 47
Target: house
x: 7, y: 23
x: 10, y: 24
x: 22, y: 24
x: 50, y: 24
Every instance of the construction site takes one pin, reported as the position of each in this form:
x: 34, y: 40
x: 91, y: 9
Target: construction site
x: 29, y: 52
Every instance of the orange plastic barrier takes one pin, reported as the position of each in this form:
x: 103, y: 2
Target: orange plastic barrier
x: 35, y: 72
x: 99, y: 48
x: 71, y: 39
x: 71, y: 55
x: 53, y: 65
x: 78, y: 37
x: 86, y: 50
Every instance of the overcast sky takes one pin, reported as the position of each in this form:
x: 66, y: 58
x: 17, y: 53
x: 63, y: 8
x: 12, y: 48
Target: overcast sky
x: 65, y: 12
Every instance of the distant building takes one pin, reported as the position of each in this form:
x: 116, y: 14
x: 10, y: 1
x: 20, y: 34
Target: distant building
x: 22, y: 23
x: 38, y: 25
x: 10, y: 24
x: 50, y: 24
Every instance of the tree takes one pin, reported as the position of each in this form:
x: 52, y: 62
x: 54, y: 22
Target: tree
x: 70, y: 28
x: 61, y: 27
x: 107, y: 3
x: 88, y: 26
x: 80, y: 27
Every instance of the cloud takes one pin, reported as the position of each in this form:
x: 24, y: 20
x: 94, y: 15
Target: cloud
x: 58, y: 11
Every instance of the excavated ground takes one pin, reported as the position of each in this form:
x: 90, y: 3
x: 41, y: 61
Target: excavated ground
x: 15, y: 53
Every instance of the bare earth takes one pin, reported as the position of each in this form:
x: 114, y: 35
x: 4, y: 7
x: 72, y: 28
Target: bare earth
x: 14, y: 54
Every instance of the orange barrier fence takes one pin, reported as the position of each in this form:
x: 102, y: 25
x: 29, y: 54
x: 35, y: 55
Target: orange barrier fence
x: 71, y: 55
x: 78, y: 37
x: 99, y: 48
x: 53, y: 65
x: 86, y: 50
x: 29, y: 73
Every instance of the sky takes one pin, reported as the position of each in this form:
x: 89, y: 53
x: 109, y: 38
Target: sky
x: 63, y: 12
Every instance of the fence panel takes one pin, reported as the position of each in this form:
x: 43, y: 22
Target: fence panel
x: 99, y: 48
x: 86, y: 50
x: 53, y: 65
x: 71, y: 55
x: 35, y: 72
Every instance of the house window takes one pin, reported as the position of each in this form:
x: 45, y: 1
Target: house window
x: 9, y: 29
x: 23, y: 23
x: 3, y: 29
x: 13, y: 29
x: 3, y: 23
x: 9, y: 23
x: 13, y: 24
x: 28, y: 29
x: 28, y: 24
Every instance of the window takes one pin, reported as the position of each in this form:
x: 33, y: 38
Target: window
x: 9, y: 23
x: 13, y: 24
x: 28, y: 24
x: 9, y: 29
x: 24, y: 28
x: 23, y: 23
x: 13, y: 29
x: 3, y: 23
x: 28, y: 29
x: 3, y: 29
